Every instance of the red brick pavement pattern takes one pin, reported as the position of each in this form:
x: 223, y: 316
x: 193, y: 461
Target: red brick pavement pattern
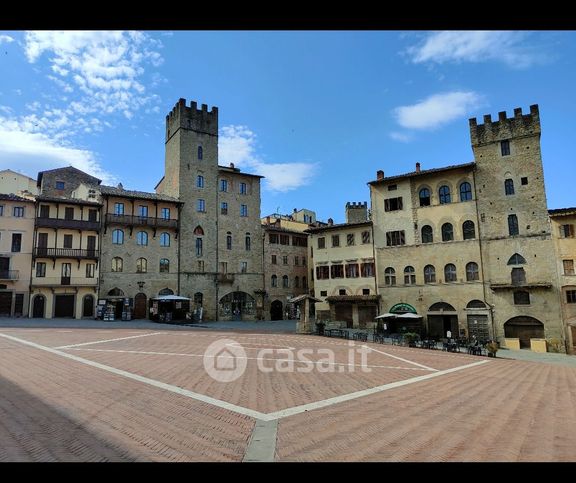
x: 501, y: 411
x: 54, y: 409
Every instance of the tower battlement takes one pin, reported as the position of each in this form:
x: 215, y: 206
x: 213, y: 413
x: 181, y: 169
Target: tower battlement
x: 190, y: 117
x: 505, y: 127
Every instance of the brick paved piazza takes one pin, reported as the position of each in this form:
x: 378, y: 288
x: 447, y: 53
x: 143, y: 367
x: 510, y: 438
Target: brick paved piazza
x: 144, y: 395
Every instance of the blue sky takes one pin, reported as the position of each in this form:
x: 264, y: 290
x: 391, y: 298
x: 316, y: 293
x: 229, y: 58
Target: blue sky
x: 317, y: 113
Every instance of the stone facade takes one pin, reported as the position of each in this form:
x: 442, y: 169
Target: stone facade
x: 16, y: 237
x: 563, y: 225
x: 221, y: 238
x: 475, y: 237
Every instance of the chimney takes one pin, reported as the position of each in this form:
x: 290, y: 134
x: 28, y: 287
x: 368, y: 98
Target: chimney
x: 330, y: 221
x: 267, y: 220
x: 417, y: 167
x: 232, y: 165
x: 295, y: 210
x: 379, y: 175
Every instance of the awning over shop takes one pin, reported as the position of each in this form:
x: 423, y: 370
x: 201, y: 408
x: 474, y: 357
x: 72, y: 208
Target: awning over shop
x: 169, y: 298
x: 353, y: 298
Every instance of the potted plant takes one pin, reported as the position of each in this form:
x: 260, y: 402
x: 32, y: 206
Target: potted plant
x: 320, y: 327
x: 492, y: 348
x: 410, y: 338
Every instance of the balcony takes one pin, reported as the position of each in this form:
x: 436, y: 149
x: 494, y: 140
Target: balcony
x: 70, y: 224
x: 9, y: 274
x: 131, y: 220
x: 225, y: 277
x: 40, y: 252
x: 64, y: 281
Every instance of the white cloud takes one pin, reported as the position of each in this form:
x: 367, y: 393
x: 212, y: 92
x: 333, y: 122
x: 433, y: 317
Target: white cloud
x: 237, y: 144
x: 476, y: 46
x: 437, y: 110
x: 6, y: 39
x: 400, y: 136
x: 30, y: 152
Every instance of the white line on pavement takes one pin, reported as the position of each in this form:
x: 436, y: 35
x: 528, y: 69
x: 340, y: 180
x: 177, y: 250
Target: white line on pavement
x: 107, y: 340
x: 400, y: 358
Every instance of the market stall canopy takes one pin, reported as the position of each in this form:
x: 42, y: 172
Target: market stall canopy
x: 409, y: 315
x: 169, y: 298
x: 388, y: 314
x: 303, y: 297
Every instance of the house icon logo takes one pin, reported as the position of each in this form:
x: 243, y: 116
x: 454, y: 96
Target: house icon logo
x: 225, y: 360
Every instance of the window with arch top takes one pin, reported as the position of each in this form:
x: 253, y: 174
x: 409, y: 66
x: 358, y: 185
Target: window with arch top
x: 424, y: 196
x: 447, y: 232
x: 516, y: 259
x: 429, y: 274
x: 427, y: 234
x: 390, y: 276
x: 142, y: 238
x: 409, y: 275
x: 465, y: 191
x: 509, y: 187
x: 472, y: 272
x: 200, y: 152
x: 444, y: 193
x: 165, y: 239
x: 450, y: 273
x: 468, y: 230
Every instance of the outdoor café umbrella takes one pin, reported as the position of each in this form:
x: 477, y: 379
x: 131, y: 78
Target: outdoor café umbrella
x: 387, y: 314
x: 409, y: 315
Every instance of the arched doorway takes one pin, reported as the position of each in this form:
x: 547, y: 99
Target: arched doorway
x: 140, y: 306
x: 38, y: 307
x: 442, y: 320
x: 88, y: 306
x: 477, y: 318
x: 238, y: 306
x: 115, y: 302
x: 524, y: 328
x: 276, y: 310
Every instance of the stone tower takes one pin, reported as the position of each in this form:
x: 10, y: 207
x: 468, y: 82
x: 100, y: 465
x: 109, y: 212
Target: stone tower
x: 513, y: 220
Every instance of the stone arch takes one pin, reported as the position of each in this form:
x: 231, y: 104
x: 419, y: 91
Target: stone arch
x: 115, y: 292
x: 524, y: 328
x: 166, y: 291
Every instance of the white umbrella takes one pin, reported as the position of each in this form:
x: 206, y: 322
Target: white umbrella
x: 409, y: 315
x: 387, y: 314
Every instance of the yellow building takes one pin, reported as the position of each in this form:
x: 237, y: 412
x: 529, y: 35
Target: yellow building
x: 16, y: 236
x: 17, y: 183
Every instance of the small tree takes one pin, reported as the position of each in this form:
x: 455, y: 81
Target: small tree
x: 492, y: 347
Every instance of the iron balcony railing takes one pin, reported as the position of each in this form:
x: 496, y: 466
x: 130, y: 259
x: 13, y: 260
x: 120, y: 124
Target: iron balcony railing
x: 70, y: 224
x: 40, y: 252
x: 112, y: 219
x: 58, y: 281
x: 9, y: 274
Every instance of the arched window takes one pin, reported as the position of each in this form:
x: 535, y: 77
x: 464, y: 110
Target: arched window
x: 296, y: 282
x: 165, y: 239
x: 115, y: 292
x: 117, y: 237
x: 199, y: 247
x: 390, y: 276
x: 166, y: 291
x: 248, y: 242
x: 200, y: 152
x: 450, y: 273
x: 229, y: 240
x: 465, y: 191
x: 444, y: 193
x: 472, y: 272
x: 427, y: 235
x: 198, y: 298
x: 516, y: 259
x: 285, y: 281
x: 518, y: 276
x: 117, y: 264
x: 142, y: 238
x: 429, y: 274
x: 141, y: 265
x: 513, y: 225
x: 424, y: 197
x: 274, y: 281
x: 509, y: 187
x: 164, y: 265
x: 447, y: 232
x: 409, y: 276
x: 198, y: 231
x: 468, y: 230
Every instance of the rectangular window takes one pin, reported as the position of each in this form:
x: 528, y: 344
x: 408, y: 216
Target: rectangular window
x: 200, y: 181
x: 243, y: 189
x: 567, y: 231
x: 513, y: 225
x: 273, y: 238
x: 243, y: 267
x: 337, y: 271
x: 571, y: 296
x: 60, y: 185
x: 16, y: 242
x: 395, y: 238
x: 365, y: 237
x: 223, y: 208
x: 303, y: 261
x: 143, y: 211
x: 350, y: 239
x: 568, y: 267
x: 321, y: 242
x: 165, y: 213
x: 68, y: 213
x: 199, y: 247
x: 67, y: 241
x: 323, y: 293
x: 201, y: 206
x: 223, y: 185
x: 243, y: 210
x: 296, y: 261
x: 284, y: 240
x: 274, y: 260
x: 44, y: 211
x: 367, y: 269
x: 524, y: 181
x: 200, y: 265
x: 299, y: 241
x: 322, y: 273
x: 342, y: 291
x: 335, y: 240
x: 223, y: 267
x: 118, y: 208
x: 365, y: 291
x: 40, y: 269
x: 392, y: 187
x: 1, y: 210
x: 92, y: 215
x: 352, y: 270
x: 18, y: 211
x: 393, y: 204
x: 285, y: 260
x: 505, y: 148
x: 90, y: 269
x: 521, y: 297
